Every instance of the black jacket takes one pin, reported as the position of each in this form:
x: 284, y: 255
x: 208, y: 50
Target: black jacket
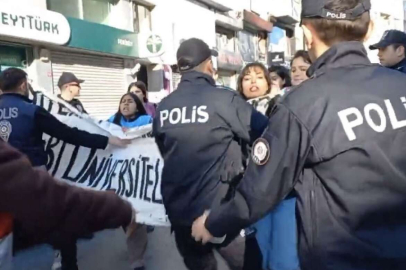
x: 401, y: 66
x: 75, y: 103
x: 197, y: 129
x: 337, y: 141
x: 22, y: 125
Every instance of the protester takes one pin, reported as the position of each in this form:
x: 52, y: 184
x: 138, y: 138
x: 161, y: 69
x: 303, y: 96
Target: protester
x: 337, y: 141
x: 50, y: 208
x: 70, y: 89
x: 254, y: 84
x: 140, y: 89
x: 299, y: 65
x: 280, y: 79
x: 197, y: 129
x: 276, y: 233
x: 23, y: 124
x: 392, y: 48
x: 131, y: 113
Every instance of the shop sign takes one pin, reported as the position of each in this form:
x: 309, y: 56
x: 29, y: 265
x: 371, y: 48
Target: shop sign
x: 154, y: 44
x: 276, y: 58
x: 33, y: 24
x: 150, y: 45
x: 230, y: 61
x: 102, y: 38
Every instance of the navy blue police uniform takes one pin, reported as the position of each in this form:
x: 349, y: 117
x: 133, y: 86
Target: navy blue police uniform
x: 392, y: 37
x: 197, y: 129
x: 337, y: 141
x: 22, y: 125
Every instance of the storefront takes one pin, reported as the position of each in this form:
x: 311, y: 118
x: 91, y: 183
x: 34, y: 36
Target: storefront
x: 106, y: 62
x: 89, y: 59
x: 46, y: 43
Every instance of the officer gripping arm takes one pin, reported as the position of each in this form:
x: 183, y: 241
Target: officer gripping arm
x: 277, y: 159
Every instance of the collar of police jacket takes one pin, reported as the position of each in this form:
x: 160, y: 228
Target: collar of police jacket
x: 6, y: 95
x: 196, y: 77
x: 343, y: 54
x: 399, y: 66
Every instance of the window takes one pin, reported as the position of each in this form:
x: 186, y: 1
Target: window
x: 70, y: 8
x: 225, y: 39
x: 142, y: 18
x: 97, y: 11
x: 115, y: 13
x: 248, y: 46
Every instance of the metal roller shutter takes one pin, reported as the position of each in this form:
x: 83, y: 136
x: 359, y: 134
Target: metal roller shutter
x: 104, y: 80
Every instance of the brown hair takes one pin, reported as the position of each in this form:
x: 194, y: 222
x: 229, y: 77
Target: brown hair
x: 335, y: 31
x: 301, y: 54
x: 140, y: 85
x: 246, y: 71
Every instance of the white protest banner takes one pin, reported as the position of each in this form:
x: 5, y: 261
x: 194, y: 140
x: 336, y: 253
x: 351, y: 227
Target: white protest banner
x: 134, y: 172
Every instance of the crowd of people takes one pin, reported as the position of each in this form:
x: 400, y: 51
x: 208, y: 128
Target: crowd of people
x: 266, y: 175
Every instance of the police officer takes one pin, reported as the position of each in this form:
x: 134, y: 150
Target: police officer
x: 22, y: 125
x: 70, y: 87
x: 338, y: 143
x: 392, y: 50
x: 197, y: 129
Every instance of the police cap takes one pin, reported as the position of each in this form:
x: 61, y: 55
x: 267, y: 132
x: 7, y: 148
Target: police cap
x: 390, y: 37
x: 317, y: 9
x: 68, y: 77
x: 193, y: 52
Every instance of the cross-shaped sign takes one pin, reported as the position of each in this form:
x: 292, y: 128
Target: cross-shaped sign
x: 154, y: 44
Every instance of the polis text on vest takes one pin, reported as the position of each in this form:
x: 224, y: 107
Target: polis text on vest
x: 8, y: 113
x: 353, y: 117
x: 185, y: 115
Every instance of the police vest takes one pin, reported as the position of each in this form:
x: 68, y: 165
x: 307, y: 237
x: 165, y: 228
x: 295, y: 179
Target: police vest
x: 17, y: 127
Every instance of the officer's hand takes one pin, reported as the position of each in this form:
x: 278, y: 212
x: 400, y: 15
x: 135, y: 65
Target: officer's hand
x: 199, y: 231
x: 119, y: 142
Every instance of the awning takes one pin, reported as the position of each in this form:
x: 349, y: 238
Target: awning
x: 215, y: 4
x: 257, y: 22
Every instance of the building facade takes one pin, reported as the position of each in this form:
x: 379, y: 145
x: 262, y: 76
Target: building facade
x: 100, y: 41
x: 237, y: 30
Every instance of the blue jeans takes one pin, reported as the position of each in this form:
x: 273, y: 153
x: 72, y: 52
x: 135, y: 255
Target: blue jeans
x: 277, y: 237
x: 36, y: 258
x: 6, y: 247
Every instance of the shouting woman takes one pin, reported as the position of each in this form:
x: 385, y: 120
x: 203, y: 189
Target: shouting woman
x: 131, y: 113
x: 276, y: 233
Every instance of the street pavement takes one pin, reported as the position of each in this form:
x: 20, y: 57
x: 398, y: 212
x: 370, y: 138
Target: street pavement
x: 108, y: 251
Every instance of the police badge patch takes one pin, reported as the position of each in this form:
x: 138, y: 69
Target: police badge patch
x: 260, y: 151
x: 5, y: 130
